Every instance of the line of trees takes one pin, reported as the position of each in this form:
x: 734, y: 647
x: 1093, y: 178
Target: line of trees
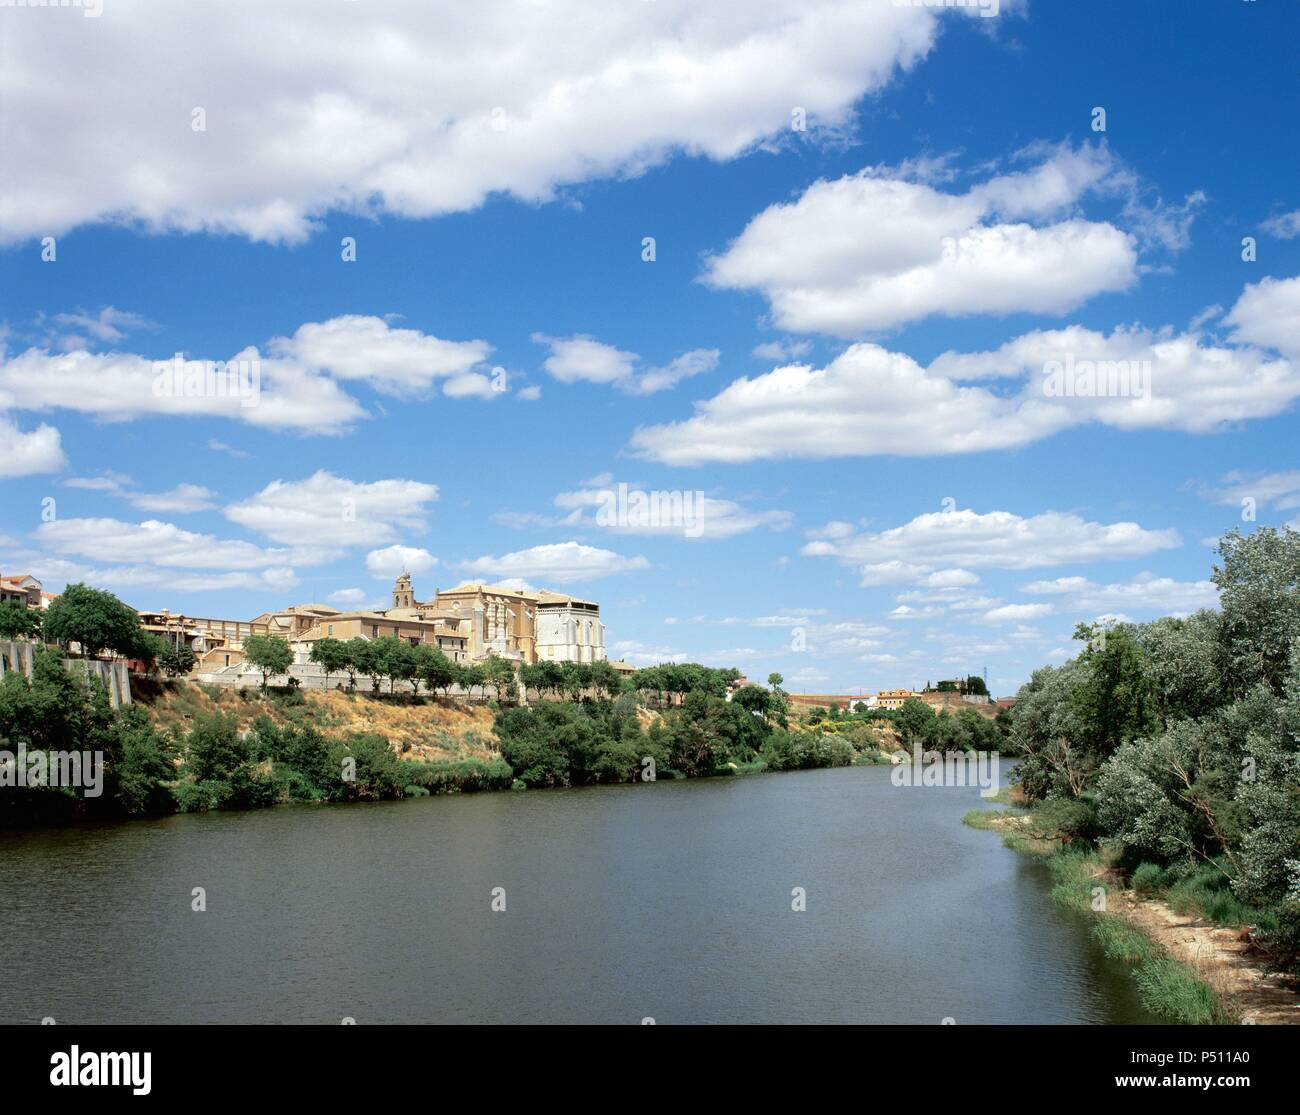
x: 571, y: 679
x: 396, y: 660
x: 1175, y: 745
x: 696, y: 731
x: 669, y: 683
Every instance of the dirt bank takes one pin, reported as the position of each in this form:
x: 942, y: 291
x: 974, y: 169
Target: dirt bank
x: 432, y: 730
x: 1223, y: 957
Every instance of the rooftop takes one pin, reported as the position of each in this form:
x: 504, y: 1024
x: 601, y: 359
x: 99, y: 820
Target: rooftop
x: 497, y: 590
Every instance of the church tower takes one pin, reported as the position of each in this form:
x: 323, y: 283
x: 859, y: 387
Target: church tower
x: 403, y: 594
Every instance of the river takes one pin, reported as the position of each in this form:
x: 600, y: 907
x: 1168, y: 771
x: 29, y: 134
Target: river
x: 671, y: 901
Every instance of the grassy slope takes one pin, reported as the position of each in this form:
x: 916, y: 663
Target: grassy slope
x: 429, y: 731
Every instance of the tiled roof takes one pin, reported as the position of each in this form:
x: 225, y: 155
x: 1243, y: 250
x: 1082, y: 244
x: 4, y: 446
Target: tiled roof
x: 479, y: 586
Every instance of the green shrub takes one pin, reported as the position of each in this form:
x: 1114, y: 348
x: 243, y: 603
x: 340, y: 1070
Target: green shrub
x: 199, y: 797
x: 458, y: 776
x: 1067, y: 819
x: 1148, y: 878
x: 1207, y: 892
x: 1283, y: 939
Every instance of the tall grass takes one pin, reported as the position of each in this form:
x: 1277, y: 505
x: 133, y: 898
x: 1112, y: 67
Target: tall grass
x: 1208, y: 893
x: 982, y: 818
x: 1121, y: 941
x: 1173, y: 991
x: 1168, y: 988
x: 1075, y: 876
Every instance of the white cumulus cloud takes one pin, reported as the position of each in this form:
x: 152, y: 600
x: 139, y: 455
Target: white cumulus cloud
x: 869, y: 251
x: 411, y: 109
x: 331, y: 510
x: 945, y: 540
x: 870, y: 401
x: 392, y: 561
x: 561, y: 563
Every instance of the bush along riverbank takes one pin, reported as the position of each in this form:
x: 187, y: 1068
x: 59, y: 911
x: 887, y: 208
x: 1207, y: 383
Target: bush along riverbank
x: 186, y: 747
x: 1161, y: 771
x: 1177, y: 988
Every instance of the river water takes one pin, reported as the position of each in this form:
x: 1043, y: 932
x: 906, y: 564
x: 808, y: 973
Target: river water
x: 670, y: 901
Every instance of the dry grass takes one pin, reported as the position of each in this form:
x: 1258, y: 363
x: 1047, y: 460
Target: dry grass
x: 430, y: 731
x: 433, y: 731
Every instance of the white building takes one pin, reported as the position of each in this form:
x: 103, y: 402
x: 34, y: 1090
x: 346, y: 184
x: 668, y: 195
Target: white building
x: 568, y: 629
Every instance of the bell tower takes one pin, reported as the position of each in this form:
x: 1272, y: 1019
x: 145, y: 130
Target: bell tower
x: 403, y: 594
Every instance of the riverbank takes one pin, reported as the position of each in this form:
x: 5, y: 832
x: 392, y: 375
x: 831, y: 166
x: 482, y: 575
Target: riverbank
x: 182, y: 747
x: 1187, y: 968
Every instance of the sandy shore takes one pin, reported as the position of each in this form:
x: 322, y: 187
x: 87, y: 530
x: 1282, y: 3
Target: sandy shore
x: 1223, y: 957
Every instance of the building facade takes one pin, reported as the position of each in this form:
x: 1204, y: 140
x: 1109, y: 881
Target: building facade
x: 24, y: 589
x: 514, y: 624
x: 467, y: 623
x: 568, y: 629
x: 418, y: 630
x: 894, y: 698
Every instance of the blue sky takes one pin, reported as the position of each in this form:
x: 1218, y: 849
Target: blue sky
x: 892, y: 493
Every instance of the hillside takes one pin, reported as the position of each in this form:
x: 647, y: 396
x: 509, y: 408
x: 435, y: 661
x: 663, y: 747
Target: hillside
x: 430, y: 731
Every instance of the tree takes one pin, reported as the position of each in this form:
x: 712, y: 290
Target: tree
x: 604, y: 678
x: 394, y: 659
x: 434, y: 668
x: 331, y: 655
x: 94, y: 619
x: 366, y: 658
x: 500, y: 674
x: 574, y: 678
x: 1183, y: 663
x: 17, y: 621
x: 543, y: 677
x: 753, y: 699
x: 1113, y: 700
x: 214, y: 750
x: 176, y: 658
x: 471, y: 677
x: 975, y: 685
x: 1259, y: 587
x: 775, y: 680
x: 148, y: 648
x: 915, y: 720
x: 531, y: 676
x: 357, y: 649
x: 269, y: 653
